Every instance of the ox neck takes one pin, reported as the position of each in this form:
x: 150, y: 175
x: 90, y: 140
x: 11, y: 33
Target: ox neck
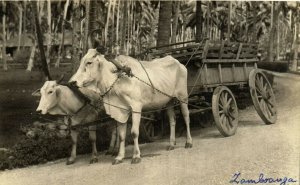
x: 109, y: 75
x: 69, y: 104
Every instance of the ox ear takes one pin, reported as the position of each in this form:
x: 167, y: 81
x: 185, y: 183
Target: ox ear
x: 57, y: 91
x: 36, y: 92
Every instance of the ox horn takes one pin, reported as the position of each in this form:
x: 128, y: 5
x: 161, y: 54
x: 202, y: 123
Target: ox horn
x: 36, y: 92
x: 60, y: 79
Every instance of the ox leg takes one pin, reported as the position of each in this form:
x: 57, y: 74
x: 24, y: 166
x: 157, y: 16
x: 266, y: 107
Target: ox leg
x: 186, y: 116
x: 117, y: 144
x: 172, y: 121
x: 122, y: 127
x: 72, y: 158
x: 92, y: 135
x: 136, y: 118
x: 113, y: 143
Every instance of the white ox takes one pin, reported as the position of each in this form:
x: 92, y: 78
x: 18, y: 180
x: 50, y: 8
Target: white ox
x: 130, y: 96
x: 60, y: 100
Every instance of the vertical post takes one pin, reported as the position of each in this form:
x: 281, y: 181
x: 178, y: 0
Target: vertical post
x: 86, y: 28
x: 20, y: 27
x: 229, y: 20
x: 220, y: 73
x: 4, y: 36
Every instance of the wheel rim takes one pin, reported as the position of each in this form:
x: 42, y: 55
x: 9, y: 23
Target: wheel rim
x: 225, y: 111
x: 263, y: 97
x: 150, y: 129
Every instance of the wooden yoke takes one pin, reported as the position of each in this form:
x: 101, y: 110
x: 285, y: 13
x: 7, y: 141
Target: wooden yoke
x: 111, y: 58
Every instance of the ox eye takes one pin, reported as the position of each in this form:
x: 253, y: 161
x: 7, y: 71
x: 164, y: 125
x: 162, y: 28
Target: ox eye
x: 50, y: 92
x: 88, y: 63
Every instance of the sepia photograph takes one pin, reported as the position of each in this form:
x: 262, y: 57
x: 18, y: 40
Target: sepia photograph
x: 149, y: 92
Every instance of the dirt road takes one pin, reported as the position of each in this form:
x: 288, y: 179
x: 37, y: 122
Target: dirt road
x: 270, y: 150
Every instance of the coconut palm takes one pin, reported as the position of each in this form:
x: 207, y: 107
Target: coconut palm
x: 63, y: 33
x: 164, y: 23
x: 4, y: 35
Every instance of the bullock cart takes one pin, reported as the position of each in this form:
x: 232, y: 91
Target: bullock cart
x: 216, y: 70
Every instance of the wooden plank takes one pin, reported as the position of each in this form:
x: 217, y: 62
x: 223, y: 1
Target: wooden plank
x: 233, y: 72
x: 205, y: 74
x: 252, y: 60
x: 228, y: 55
x: 239, y: 51
x: 175, y: 44
x: 248, y: 55
x: 205, y: 50
x: 227, y: 84
x: 221, y: 49
x: 201, y: 109
x: 220, y: 73
x: 173, y: 50
x: 245, y: 70
x: 197, y: 53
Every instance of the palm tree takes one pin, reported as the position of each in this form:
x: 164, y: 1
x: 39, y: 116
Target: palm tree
x: 164, y: 23
x: 49, y: 31
x: 4, y: 35
x: 199, y: 21
x: 40, y: 42
x: 20, y: 25
x: 60, y: 49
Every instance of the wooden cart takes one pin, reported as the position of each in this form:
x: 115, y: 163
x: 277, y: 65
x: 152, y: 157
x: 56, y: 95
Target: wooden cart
x: 215, y: 69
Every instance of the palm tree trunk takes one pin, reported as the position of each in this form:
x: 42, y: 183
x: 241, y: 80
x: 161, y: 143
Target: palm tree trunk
x: 49, y: 32
x: 61, y: 46
x: 277, y: 38
x: 129, y: 24
x: 117, y: 26
x: 199, y: 21
x: 20, y: 27
x: 113, y: 25
x: 86, y: 26
x: 271, y: 36
x: 164, y: 23
x: 229, y: 21
x: 107, y: 24
x: 296, y: 47
x: 175, y: 22
x: 31, y: 57
x: 40, y: 43
x: 76, y: 38
x: 4, y: 37
x: 123, y: 28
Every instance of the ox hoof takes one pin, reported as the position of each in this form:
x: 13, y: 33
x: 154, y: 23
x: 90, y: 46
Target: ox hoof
x: 94, y: 160
x: 109, y: 152
x: 188, y: 145
x: 117, y: 161
x: 170, y: 148
x: 69, y: 162
x: 115, y: 152
x: 136, y: 160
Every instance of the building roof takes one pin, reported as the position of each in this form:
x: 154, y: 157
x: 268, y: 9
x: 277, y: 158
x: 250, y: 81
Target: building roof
x: 27, y: 40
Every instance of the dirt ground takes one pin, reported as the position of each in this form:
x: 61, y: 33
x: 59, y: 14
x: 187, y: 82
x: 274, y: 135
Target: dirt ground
x: 273, y: 150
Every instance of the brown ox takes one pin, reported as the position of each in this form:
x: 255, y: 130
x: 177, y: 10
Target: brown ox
x: 128, y: 95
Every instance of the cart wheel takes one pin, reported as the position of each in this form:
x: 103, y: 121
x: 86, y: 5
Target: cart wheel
x: 225, y: 111
x: 151, y: 129
x: 262, y: 96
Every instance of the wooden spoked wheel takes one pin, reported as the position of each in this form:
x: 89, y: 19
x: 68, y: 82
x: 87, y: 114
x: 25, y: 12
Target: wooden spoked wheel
x: 225, y: 111
x: 151, y: 129
x: 263, y: 96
